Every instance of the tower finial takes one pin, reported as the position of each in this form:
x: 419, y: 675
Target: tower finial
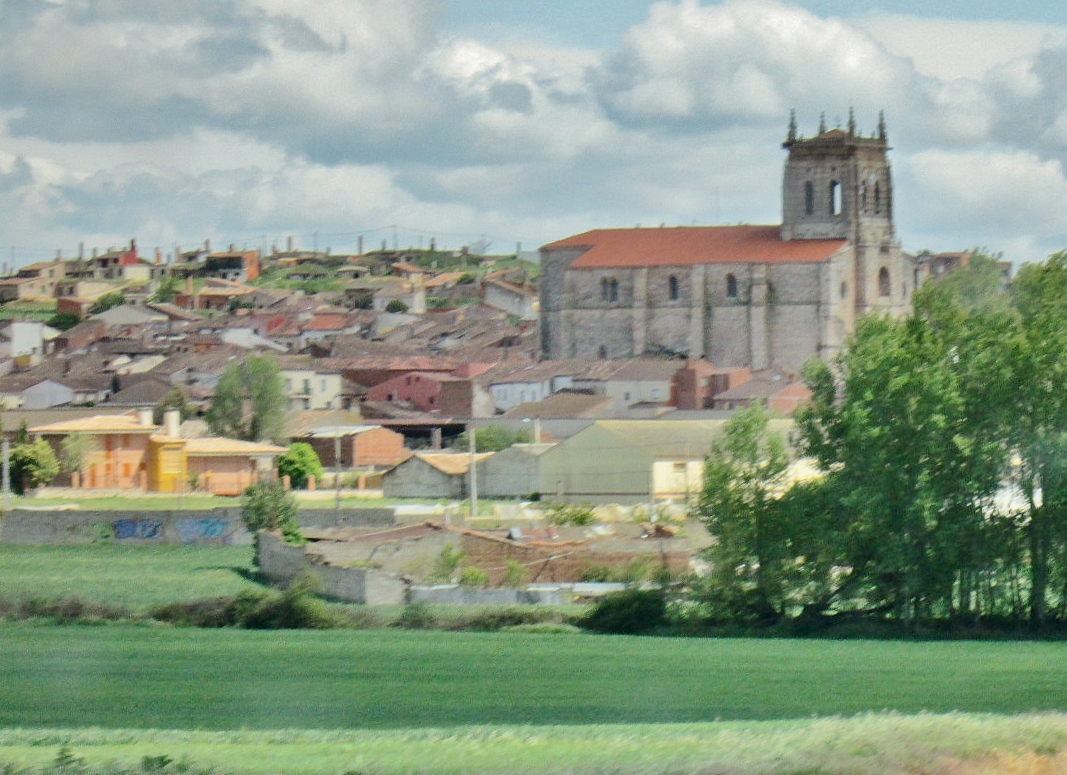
x: 851, y: 122
x: 822, y: 123
x: 881, y: 125
x: 792, y: 135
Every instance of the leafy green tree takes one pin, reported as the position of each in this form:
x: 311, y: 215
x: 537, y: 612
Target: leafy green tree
x: 300, y: 463
x: 166, y: 290
x: 269, y: 506
x: 64, y: 321
x: 107, y: 301
x: 75, y: 450
x: 175, y: 399
x: 743, y: 477
x: 249, y: 401
x: 33, y: 464
x: 977, y: 287
x: 492, y: 438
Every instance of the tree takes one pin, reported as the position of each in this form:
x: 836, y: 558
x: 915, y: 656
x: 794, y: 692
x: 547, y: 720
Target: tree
x: 299, y: 464
x: 269, y: 506
x: 64, y: 321
x: 33, y: 464
x: 107, y: 301
x: 175, y: 399
x: 74, y: 450
x: 743, y: 476
x: 249, y: 401
x: 166, y: 290
x: 491, y: 438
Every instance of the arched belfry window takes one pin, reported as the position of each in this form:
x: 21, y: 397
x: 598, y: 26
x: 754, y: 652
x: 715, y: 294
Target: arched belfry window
x: 731, y: 287
x: 809, y: 198
x: 835, y: 198
x: 884, y: 287
x: 672, y: 288
x: 877, y: 198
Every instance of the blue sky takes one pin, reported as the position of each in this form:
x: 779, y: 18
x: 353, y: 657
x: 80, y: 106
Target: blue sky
x: 467, y: 121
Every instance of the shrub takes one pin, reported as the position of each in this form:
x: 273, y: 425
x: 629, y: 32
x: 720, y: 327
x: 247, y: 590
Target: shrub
x: 33, y: 465
x: 267, y: 506
x: 396, y: 305
x: 300, y: 463
x: 578, y: 515
x: 416, y: 616
x: 447, y: 564
x: 630, y: 612
x: 495, y: 619
x: 514, y: 575
x: 473, y: 578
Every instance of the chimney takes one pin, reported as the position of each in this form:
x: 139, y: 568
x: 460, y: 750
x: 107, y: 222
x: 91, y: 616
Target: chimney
x: 172, y: 421
x: 159, y: 256
x: 289, y: 244
x: 359, y: 250
x: 144, y: 417
x: 207, y: 246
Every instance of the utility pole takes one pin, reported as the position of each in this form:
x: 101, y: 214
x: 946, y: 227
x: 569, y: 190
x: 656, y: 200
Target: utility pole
x: 473, y: 471
x: 337, y: 471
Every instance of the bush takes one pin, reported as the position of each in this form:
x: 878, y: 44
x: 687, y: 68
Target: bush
x: 495, y: 619
x: 416, y: 616
x: 578, y: 515
x: 630, y: 612
x: 300, y: 463
x: 396, y: 305
x: 267, y: 506
x: 33, y: 465
x: 473, y: 578
x: 514, y: 575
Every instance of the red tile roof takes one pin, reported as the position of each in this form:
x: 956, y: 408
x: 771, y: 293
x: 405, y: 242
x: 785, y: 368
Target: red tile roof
x: 689, y: 245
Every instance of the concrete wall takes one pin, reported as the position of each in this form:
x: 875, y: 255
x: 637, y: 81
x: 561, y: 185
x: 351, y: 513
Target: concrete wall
x: 214, y: 526
x: 281, y: 562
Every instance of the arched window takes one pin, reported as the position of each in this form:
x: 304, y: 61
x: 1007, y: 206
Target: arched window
x: 877, y: 198
x: 605, y: 289
x: 844, y: 289
x: 884, y: 288
x: 835, y: 198
x: 613, y: 290
x: 809, y: 198
x: 672, y: 288
x: 731, y: 287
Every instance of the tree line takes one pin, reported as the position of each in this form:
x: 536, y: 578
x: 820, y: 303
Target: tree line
x: 940, y: 446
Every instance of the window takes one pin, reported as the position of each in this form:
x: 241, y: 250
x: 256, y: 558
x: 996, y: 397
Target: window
x: 602, y: 352
x: 307, y: 387
x: 809, y: 198
x: 731, y: 287
x: 613, y: 290
x: 672, y: 288
x: 844, y: 290
x: 884, y: 287
x: 835, y: 198
x: 655, y: 394
x: 877, y: 198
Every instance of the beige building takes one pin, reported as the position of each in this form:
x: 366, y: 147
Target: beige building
x: 757, y: 296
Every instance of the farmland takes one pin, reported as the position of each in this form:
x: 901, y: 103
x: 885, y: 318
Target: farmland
x: 394, y: 701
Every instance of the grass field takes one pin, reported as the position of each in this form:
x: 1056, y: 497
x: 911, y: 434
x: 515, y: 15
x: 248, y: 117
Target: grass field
x: 133, y: 577
x: 154, y: 677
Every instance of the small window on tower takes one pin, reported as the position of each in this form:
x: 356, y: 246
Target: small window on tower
x: 877, y: 198
x: 731, y: 287
x: 809, y: 198
x: 672, y: 288
x: 883, y: 283
x: 835, y: 198
x: 844, y: 290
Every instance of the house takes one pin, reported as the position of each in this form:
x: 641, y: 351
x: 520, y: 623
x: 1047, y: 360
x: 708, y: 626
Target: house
x: 565, y: 405
x: 130, y: 452
x: 631, y: 461
x: 759, y: 296
x: 519, y: 300
x: 239, y: 265
x: 635, y: 381
x: 360, y: 446
x: 695, y: 385
x: 310, y: 385
x: 513, y: 472
x: 782, y: 394
x: 67, y: 391
x: 26, y: 341
x: 430, y: 475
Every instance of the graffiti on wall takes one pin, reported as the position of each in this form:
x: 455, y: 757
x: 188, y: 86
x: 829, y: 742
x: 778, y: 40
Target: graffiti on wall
x: 194, y: 531
x: 144, y: 529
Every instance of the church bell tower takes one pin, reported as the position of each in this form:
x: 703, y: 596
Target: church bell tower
x: 837, y: 185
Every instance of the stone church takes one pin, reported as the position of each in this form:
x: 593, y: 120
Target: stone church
x: 758, y: 296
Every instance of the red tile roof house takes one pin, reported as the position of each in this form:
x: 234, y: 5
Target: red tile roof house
x: 782, y: 394
x: 696, y: 384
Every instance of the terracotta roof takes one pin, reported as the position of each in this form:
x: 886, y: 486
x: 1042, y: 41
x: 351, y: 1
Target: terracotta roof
x: 690, y: 245
x: 120, y: 423
x: 443, y: 279
x: 563, y: 405
x: 211, y: 446
x: 327, y: 322
x: 452, y: 463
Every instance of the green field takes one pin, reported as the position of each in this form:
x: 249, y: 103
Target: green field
x: 133, y: 577
x: 157, y: 677
x: 397, y: 701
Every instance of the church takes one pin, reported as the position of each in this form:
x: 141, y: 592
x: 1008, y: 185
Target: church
x: 757, y: 296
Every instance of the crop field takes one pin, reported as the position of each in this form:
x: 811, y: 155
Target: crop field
x: 138, y: 698
x: 133, y: 577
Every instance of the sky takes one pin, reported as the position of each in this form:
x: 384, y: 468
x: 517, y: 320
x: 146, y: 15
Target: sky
x: 502, y: 125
